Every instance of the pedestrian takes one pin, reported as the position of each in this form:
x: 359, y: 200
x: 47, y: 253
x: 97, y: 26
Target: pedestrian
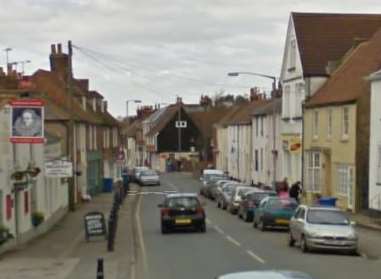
x: 295, y: 190
x: 283, y: 191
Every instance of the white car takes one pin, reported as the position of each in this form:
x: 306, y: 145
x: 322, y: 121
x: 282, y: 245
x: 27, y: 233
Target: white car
x: 148, y: 177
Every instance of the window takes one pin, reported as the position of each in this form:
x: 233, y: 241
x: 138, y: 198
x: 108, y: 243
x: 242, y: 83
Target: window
x: 256, y: 160
x: 95, y: 137
x: 345, y: 123
x: 286, y: 102
x: 379, y: 165
x: 90, y: 137
x: 261, y: 126
x: 315, y: 125
x: 256, y: 126
x: 261, y: 159
x: 84, y: 101
x: 345, y: 179
x: 313, y: 172
x: 330, y: 119
x: 299, y: 98
x: 292, y: 54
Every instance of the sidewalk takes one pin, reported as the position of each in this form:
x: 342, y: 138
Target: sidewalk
x: 63, y: 253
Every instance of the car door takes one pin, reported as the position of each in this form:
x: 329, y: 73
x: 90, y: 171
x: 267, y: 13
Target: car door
x: 260, y: 210
x: 293, y: 221
x: 299, y: 224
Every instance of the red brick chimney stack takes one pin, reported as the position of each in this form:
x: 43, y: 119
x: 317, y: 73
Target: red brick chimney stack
x: 59, y: 61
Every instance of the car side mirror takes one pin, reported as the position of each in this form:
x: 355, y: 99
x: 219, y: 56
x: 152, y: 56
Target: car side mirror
x: 160, y: 206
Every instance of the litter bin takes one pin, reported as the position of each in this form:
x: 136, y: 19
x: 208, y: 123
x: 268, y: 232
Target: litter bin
x: 327, y: 201
x: 107, y: 185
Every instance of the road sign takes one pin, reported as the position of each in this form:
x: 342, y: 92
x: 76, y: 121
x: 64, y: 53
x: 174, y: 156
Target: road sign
x: 58, y: 169
x: 181, y: 124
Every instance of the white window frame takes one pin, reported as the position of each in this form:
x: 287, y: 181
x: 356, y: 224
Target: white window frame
x: 299, y: 99
x: 314, y: 171
x: 344, y: 179
x: 345, y: 123
x: 292, y: 62
x: 286, y: 100
x: 378, y: 180
x: 256, y: 160
x: 315, y: 124
x: 262, y: 163
x: 330, y: 121
x: 256, y: 126
x: 261, y: 126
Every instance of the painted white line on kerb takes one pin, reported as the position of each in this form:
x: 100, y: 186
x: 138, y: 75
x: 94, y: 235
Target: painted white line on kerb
x: 256, y: 257
x: 232, y: 240
x: 218, y: 229
x: 140, y: 234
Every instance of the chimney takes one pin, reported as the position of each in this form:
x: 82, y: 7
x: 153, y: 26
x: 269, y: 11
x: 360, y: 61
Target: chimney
x: 179, y: 100
x: 59, y: 62
x: 254, y: 94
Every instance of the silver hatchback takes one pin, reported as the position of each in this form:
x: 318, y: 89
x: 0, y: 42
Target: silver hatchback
x: 325, y: 228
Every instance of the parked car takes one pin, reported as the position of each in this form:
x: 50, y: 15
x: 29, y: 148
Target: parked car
x: 136, y: 171
x: 266, y: 274
x: 182, y: 210
x: 209, y: 181
x: 226, y: 192
x: 215, y: 191
x: 212, y: 186
x: 274, y: 212
x: 236, y: 197
x: 250, y: 201
x: 322, y: 228
x: 148, y: 177
x: 207, y: 172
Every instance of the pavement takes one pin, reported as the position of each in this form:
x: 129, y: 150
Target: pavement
x: 63, y: 252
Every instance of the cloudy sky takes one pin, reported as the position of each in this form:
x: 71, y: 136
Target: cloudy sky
x: 153, y: 50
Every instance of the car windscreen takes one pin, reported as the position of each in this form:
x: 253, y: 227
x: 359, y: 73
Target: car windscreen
x: 327, y: 217
x: 243, y: 191
x: 258, y: 196
x: 282, y: 204
x: 182, y: 202
x: 215, y: 177
x: 149, y: 173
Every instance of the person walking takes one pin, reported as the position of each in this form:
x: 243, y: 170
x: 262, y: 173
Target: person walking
x: 295, y: 191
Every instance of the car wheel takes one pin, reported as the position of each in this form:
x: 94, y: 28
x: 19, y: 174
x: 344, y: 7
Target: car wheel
x: 291, y: 240
x: 164, y: 229
x: 262, y: 225
x: 304, y: 245
x: 248, y: 217
x: 203, y: 228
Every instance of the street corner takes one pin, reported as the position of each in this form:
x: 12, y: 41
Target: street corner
x: 37, y: 268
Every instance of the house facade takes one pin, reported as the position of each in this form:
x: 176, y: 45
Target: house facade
x: 375, y: 143
x: 304, y: 72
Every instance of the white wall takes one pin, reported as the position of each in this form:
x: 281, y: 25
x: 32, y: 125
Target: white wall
x: 223, y: 149
x: 375, y: 141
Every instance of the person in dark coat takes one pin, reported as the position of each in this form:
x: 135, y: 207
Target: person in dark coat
x: 295, y: 191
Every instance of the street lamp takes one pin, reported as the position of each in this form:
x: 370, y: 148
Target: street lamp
x: 274, y: 151
x: 134, y: 101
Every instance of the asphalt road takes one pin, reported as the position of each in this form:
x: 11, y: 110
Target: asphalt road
x: 229, y: 245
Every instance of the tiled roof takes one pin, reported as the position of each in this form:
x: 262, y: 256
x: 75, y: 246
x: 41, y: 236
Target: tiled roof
x: 242, y: 116
x: 163, y: 119
x: 272, y: 106
x: 349, y: 81
x: 205, y: 120
x: 133, y: 128
x: 327, y: 37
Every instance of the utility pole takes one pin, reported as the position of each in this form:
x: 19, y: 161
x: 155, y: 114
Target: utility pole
x: 71, y: 129
x: 179, y: 128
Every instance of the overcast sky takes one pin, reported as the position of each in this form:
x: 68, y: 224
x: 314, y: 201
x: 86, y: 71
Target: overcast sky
x: 153, y: 50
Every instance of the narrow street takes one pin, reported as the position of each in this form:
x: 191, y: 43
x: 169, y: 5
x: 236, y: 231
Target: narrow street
x: 229, y: 244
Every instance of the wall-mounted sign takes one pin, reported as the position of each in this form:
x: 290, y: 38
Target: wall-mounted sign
x: 292, y: 143
x: 181, y: 124
x: 27, y: 121
x: 58, y: 169
x: 95, y: 224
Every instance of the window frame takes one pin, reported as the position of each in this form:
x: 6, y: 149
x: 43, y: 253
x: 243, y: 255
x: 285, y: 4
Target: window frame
x: 330, y: 122
x: 345, y: 123
x: 314, y: 167
x: 315, y: 124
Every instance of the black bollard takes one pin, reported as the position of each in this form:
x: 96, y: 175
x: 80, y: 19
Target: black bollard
x: 110, y: 236
x: 100, y: 273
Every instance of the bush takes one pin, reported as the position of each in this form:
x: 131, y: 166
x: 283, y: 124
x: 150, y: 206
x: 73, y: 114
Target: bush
x: 37, y: 218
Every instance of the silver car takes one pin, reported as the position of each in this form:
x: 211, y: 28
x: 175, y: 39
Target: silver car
x: 149, y: 177
x: 266, y: 274
x: 322, y: 228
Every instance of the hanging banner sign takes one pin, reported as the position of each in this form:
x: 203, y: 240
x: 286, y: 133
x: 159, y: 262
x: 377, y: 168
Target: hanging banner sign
x: 27, y: 121
x: 59, y: 169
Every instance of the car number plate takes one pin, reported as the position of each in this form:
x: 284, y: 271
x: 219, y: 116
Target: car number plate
x: 183, y: 221
x: 282, y: 221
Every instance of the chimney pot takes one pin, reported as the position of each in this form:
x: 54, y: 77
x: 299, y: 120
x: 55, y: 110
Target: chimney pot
x: 59, y: 48
x: 53, y: 48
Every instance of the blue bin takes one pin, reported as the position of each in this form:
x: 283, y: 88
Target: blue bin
x: 328, y: 201
x: 107, y: 185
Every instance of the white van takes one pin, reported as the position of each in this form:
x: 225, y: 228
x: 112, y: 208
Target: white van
x: 207, y: 172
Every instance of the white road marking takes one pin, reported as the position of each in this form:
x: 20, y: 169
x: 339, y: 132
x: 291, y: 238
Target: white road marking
x: 232, y: 240
x: 218, y: 229
x: 256, y: 257
x: 140, y: 235
x: 173, y: 187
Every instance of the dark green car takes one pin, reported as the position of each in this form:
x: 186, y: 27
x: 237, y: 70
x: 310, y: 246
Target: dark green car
x: 274, y: 212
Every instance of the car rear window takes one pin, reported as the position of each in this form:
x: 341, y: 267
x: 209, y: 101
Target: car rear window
x: 183, y: 202
x: 282, y: 204
x: 327, y: 217
x: 257, y: 197
x: 149, y: 172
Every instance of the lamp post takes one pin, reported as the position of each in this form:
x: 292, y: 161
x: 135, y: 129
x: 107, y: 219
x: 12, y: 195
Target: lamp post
x: 134, y: 101
x: 274, y: 88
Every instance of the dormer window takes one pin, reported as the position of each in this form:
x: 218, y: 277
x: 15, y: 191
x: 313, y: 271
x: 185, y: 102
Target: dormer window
x: 84, y: 101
